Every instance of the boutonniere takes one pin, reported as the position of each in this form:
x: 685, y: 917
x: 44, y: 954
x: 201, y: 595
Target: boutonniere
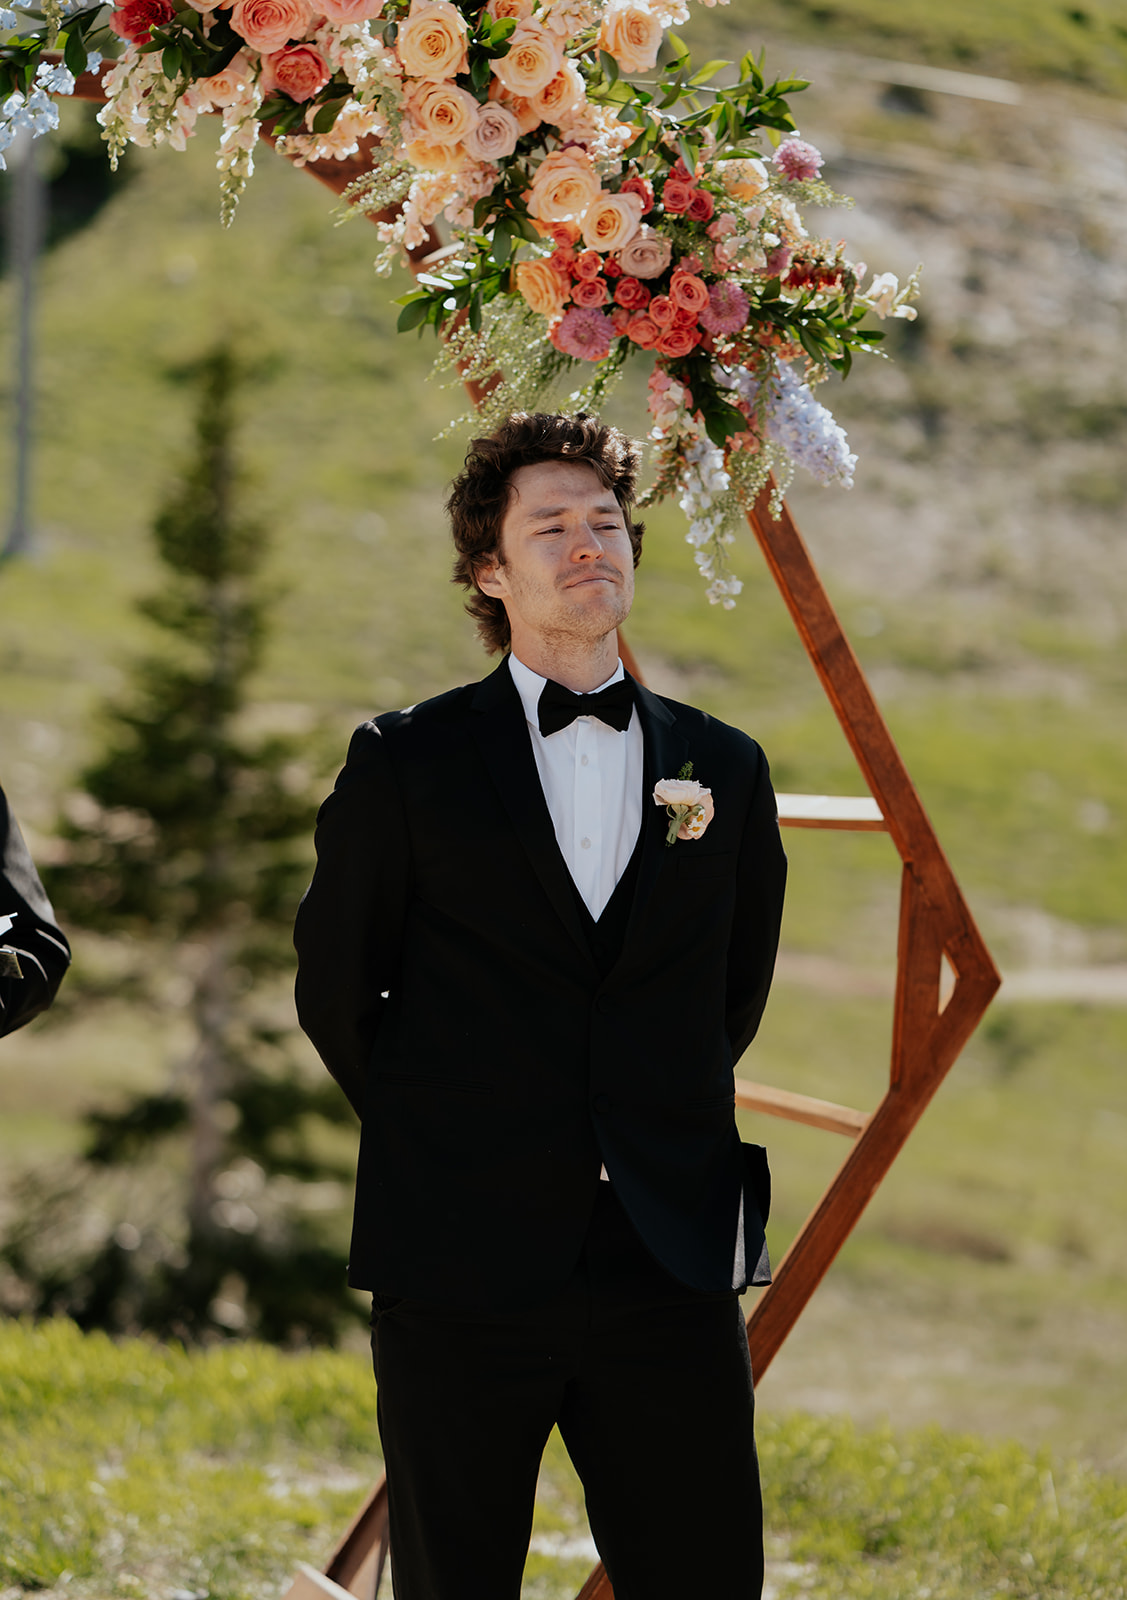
x: 688, y: 804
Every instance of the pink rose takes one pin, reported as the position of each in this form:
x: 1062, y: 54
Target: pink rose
x: 223, y: 88
x: 589, y: 292
x: 298, y: 70
x: 136, y: 20
x: 647, y: 255
x: 267, y: 25
x: 349, y: 10
x: 688, y: 292
x: 677, y: 196
x: 494, y: 135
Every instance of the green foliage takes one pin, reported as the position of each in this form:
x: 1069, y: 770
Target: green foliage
x: 137, y: 1469
x: 190, y: 840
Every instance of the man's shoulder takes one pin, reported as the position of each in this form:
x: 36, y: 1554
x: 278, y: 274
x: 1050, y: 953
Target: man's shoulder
x: 707, y: 732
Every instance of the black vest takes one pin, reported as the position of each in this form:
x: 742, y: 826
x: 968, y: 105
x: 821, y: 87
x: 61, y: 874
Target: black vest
x: 607, y: 935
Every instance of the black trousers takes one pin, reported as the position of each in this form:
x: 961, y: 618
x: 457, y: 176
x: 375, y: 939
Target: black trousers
x: 651, y: 1386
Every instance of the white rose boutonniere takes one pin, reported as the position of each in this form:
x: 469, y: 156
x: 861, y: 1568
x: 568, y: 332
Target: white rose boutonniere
x: 689, y: 805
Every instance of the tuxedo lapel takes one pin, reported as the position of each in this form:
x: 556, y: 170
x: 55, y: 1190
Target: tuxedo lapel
x: 665, y: 750
x: 499, y: 730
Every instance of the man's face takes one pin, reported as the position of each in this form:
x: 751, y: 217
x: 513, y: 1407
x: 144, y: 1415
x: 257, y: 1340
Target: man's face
x: 566, y: 573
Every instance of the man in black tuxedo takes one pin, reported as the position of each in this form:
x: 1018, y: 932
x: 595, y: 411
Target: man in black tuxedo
x: 535, y: 1002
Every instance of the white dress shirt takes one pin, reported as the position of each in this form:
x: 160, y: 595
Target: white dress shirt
x: 591, y: 776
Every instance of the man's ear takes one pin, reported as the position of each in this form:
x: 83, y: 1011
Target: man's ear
x: 487, y: 576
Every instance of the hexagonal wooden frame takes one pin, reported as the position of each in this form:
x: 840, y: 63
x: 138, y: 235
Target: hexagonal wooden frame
x: 928, y: 1034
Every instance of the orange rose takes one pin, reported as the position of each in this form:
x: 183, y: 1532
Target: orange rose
x: 611, y: 221
x: 431, y: 43
x: 564, y: 185
x: 688, y: 292
x: 541, y: 287
x: 430, y: 157
x: 743, y: 178
x: 643, y: 330
x: 589, y: 292
x: 632, y: 35
x: 678, y: 342
x: 535, y: 57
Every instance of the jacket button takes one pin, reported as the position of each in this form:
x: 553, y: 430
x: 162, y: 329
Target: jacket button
x: 604, y: 1004
x: 601, y: 1102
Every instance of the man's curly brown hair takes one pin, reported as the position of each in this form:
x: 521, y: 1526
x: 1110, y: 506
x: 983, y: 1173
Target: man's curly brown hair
x: 480, y: 495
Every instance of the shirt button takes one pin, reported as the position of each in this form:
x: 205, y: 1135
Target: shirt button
x: 583, y: 760
x: 585, y: 844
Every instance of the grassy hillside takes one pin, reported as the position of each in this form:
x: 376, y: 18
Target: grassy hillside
x: 978, y: 568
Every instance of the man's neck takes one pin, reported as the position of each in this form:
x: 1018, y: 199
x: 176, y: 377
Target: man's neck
x: 578, y: 667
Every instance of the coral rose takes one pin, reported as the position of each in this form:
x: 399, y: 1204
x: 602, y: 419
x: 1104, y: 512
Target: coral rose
x: 662, y: 310
x: 688, y: 292
x: 494, y: 135
x: 678, y: 342
x: 636, y: 184
x: 589, y: 264
x: 136, y: 20
x: 632, y: 294
x: 632, y: 34
x: 542, y: 288
x: 442, y: 113
x: 647, y: 255
x: 643, y: 330
x: 349, y: 10
x: 297, y: 70
x: 589, y: 292
x: 535, y: 57
x: 267, y: 25
x: 565, y: 91
x: 611, y: 221
x: 431, y: 42
x: 743, y: 179
x: 677, y: 196
x: 564, y: 185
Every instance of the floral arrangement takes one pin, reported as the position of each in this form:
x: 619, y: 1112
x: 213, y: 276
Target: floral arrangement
x: 604, y: 200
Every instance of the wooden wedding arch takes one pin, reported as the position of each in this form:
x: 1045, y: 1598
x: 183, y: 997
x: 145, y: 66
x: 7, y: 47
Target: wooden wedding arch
x: 929, y: 1030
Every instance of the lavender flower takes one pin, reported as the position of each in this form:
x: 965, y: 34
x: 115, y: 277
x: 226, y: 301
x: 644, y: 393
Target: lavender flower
x: 807, y: 430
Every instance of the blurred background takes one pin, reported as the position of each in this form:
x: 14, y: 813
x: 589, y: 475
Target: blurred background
x: 980, y: 569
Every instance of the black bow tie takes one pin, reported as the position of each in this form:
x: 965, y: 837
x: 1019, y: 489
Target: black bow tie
x: 557, y: 706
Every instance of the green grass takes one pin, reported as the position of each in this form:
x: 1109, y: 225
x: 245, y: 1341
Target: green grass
x: 129, y: 1470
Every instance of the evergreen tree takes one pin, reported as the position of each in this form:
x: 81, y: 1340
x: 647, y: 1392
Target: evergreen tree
x: 193, y: 838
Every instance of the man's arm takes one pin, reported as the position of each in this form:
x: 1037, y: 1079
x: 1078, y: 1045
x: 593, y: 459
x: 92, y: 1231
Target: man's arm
x: 761, y: 881
x: 38, y: 952
x: 349, y: 925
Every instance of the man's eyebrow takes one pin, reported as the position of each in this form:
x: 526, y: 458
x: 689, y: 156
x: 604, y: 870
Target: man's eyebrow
x: 558, y: 511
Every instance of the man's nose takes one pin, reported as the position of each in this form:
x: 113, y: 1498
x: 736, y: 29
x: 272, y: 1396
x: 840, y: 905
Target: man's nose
x: 587, y: 543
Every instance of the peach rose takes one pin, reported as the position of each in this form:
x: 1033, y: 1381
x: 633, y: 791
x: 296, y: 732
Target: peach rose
x: 430, y: 157
x: 611, y: 221
x: 349, y: 10
x: 222, y: 88
x: 688, y: 293
x: 523, y: 110
x: 297, y: 70
x: 535, y: 57
x: 589, y: 292
x: 565, y: 91
x: 541, y: 287
x: 590, y: 264
x: 744, y: 178
x: 632, y: 35
x: 494, y: 135
x: 564, y: 186
x: 431, y: 42
x: 267, y: 25
x: 519, y: 10
x: 442, y: 113
x: 647, y: 255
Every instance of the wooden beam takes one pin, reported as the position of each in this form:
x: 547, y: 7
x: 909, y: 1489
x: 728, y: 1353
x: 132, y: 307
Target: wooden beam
x: 802, y: 1108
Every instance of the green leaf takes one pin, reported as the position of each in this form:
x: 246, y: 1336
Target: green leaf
x: 680, y: 51
x: 328, y: 114
x: 413, y: 315
x: 170, y: 61
x: 475, y: 313
x: 709, y: 70
x: 479, y: 72
x: 74, y: 54
x: 502, y: 244
x: 609, y: 66
x: 690, y: 151
x: 500, y: 31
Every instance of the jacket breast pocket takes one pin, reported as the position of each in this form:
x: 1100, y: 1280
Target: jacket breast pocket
x: 704, y: 868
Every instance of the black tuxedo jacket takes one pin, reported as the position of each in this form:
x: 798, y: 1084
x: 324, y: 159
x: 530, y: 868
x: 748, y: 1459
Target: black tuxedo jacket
x: 446, y: 980
x: 42, y: 953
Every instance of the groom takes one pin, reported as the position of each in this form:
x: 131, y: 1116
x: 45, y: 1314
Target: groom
x: 535, y: 1003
